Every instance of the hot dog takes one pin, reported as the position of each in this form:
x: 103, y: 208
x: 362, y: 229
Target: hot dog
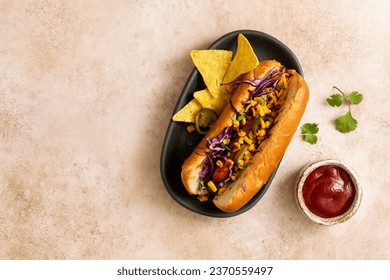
x: 241, y: 150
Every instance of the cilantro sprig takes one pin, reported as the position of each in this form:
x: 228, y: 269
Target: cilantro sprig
x: 345, y: 123
x: 240, y: 116
x: 309, y: 132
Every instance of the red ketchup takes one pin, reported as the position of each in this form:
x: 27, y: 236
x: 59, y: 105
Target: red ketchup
x: 328, y: 191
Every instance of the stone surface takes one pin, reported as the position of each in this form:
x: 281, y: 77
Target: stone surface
x: 87, y: 89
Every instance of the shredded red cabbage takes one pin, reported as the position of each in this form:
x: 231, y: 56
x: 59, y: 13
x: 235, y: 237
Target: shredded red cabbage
x: 218, y: 151
x: 261, y: 84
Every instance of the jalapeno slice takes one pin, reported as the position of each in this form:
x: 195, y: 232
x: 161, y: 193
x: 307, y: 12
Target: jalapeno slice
x: 205, y: 118
x: 240, y: 155
x: 256, y: 124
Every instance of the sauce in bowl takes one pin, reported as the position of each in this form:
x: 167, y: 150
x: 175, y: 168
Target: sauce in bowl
x: 328, y: 191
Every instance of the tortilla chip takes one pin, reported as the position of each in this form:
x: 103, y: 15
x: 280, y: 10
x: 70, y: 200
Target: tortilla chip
x: 214, y: 103
x: 244, y: 60
x: 212, y: 65
x: 188, y: 112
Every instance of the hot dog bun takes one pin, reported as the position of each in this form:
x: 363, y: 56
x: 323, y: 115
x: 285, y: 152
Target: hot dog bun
x: 271, y: 149
x: 193, y: 164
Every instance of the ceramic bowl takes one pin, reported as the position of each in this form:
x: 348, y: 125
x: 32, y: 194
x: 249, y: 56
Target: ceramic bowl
x: 333, y: 220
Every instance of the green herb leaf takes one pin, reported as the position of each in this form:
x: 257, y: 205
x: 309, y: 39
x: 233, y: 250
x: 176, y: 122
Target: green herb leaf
x: 227, y: 148
x: 309, y: 131
x: 335, y: 100
x: 346, y: 123
x: 241, y: 116
x: 354, y: 97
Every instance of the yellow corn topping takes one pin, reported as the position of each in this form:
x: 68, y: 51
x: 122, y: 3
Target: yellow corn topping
x: 261, y: 132
x: 262, y: 110
x: 212, y: 186
x: 266, y: 109
x: 236, y: 146
x: 250, y: 105
x: 241, y: 133
x: 191, y: 128
x: 262, y: 123
x: 247, y: 140
x: 229, y: 163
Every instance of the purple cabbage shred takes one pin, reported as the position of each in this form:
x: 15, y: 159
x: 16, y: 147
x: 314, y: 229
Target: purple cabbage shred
x: 218, y: 150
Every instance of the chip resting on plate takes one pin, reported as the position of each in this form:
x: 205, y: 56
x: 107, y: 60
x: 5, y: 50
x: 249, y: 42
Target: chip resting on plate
x: 244, y: 60
x: 214, y: 103
x: 188, y: 112
x: 212, y: 65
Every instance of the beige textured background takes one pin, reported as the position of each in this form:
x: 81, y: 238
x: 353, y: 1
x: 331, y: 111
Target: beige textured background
x: 87, y: 89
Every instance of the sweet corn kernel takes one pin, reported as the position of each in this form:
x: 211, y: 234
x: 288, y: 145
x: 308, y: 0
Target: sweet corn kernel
x: 247, y: 140
x: 243, y: 121
x: 240, y: 163
x: 219, y: 163
x: 254, y: 113
x: 241, y: 140
x: 212, y: 186
x: 191, y: 128
x: 229, y: 163
x: 261, y: 132
x: 250, y: 105
x: 241, y: 133
x: 262, y: 123
x: 236, y: 124
x: 226, y: 141
x: 251, y: 147
x: 233, y: 177
x: 267, y: 124
x: 260, y: 110
x: 258, y: 99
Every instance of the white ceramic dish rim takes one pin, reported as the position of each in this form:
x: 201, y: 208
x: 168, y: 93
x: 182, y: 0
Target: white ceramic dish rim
x: 338, y: 219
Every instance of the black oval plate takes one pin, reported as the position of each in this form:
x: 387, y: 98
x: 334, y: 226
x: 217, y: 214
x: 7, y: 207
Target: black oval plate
x: 178, y: 143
